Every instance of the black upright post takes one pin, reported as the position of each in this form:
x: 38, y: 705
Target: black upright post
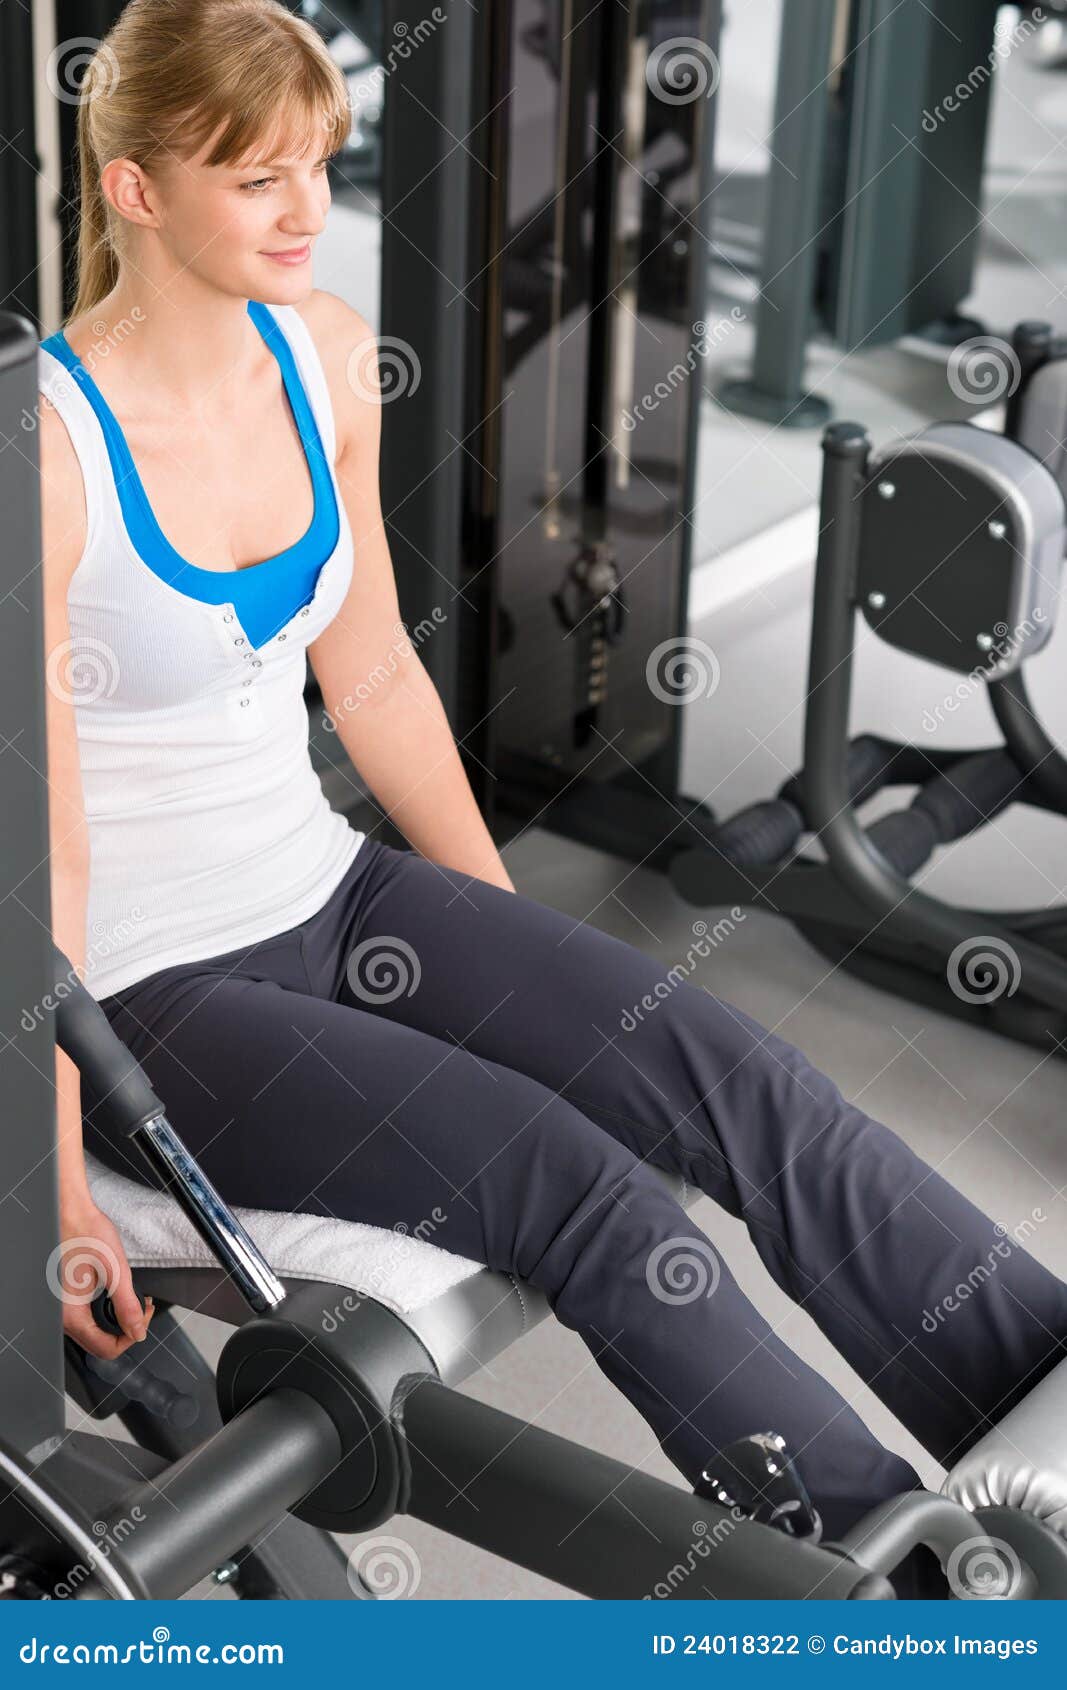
x: 31, y: 1354
x: 775, y: 391
x: 430, y: 139
x: 18, y: 165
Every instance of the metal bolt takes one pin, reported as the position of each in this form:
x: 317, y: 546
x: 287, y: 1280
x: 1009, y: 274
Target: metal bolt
x: 228, y: 1570
x: 998, y: 530
x: 985, y: 642
x: 876, y: 601
x: 886, y: 490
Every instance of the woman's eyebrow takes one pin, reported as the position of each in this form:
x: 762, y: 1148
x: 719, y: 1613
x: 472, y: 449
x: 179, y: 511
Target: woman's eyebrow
x: 272, y: 164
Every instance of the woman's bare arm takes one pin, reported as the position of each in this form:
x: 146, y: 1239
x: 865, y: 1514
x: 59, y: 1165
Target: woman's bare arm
x: 63, y: 526
x: 385, y: 708
x: 63, y: 530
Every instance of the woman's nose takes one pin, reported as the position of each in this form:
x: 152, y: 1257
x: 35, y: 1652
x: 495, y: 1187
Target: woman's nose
x: 304, y: 213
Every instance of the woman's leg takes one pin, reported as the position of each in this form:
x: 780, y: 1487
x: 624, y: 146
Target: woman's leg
x: 293, y: 1102
x: 869, y: 1238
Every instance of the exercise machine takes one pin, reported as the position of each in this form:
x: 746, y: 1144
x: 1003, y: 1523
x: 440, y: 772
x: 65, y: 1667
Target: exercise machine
x: 330, y: 1405
x: 334, y: 1407
x: 570, y: 366
x: 950, y: 545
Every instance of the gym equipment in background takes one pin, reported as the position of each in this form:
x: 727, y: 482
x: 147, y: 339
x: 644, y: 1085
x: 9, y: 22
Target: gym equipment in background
x: 334, y: 1407
x: 558, y: 262
x: 950, y: 544
x: 868, y: 231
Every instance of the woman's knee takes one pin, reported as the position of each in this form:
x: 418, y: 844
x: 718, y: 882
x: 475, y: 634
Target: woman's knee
x: 574, y: 1193
x: 742, y: 1074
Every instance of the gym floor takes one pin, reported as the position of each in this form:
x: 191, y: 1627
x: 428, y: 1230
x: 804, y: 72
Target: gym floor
x: 988, y: 1113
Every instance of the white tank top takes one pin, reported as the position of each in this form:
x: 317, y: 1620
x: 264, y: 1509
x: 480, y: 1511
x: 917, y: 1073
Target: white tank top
x: 208, y: 826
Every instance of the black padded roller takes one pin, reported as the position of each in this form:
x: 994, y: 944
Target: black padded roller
x: 127, y: 1101
x: 764, y: 833
x: 906, y: 838
x: 971, y: 792
x: 872, y: 764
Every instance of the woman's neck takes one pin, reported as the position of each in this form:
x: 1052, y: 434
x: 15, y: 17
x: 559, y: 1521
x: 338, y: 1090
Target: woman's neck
x: 192, y: 348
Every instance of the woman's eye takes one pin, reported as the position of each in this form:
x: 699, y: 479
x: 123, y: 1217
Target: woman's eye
x: 260, y: 182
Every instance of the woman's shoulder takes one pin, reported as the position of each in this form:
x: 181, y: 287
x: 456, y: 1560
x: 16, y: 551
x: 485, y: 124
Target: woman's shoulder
x: 347, y: 346
x: 328, y: 315
x: 63, y: 499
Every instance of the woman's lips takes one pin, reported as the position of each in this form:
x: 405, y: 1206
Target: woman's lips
x: 298, y: 255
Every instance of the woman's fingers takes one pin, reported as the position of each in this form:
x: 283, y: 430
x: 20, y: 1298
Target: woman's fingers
x: 91, y: 1259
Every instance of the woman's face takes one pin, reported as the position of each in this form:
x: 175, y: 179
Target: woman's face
x: 246, y: 229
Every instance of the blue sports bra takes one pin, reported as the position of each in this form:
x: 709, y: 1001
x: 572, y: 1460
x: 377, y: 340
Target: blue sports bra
x: 265, y: 595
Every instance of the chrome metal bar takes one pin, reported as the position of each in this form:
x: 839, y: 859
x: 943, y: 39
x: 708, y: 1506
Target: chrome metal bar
x: 214, y: 1220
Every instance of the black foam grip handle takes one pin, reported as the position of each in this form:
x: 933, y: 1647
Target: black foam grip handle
x: 103, y: 1312
x: 906, y: 838
x: 871, y: 764
x: 764, y: 833
x: 972, y: 791
x: 83, y: 1031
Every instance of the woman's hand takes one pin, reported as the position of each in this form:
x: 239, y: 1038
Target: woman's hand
x: 90, y: 1256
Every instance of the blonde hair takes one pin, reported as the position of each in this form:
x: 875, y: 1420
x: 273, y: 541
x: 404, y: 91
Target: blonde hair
x: 167, y: 75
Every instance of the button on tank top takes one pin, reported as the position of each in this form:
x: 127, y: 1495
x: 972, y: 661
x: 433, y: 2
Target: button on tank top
x: 208, y: 827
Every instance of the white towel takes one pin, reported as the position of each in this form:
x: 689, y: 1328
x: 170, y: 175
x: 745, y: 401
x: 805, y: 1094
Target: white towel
x: 400, y: 1271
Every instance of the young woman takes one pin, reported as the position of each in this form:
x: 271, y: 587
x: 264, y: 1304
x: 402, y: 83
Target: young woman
x: 210, y: 492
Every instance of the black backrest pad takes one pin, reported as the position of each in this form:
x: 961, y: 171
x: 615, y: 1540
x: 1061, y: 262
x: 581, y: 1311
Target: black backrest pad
x: 962, y: 536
